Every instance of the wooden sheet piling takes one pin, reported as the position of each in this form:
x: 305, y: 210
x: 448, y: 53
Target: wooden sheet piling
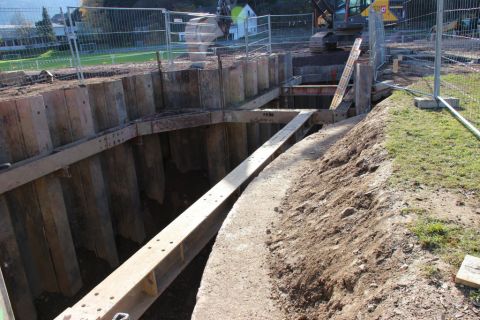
x: 40, y: 217
x: 140, y: 103
x: 70, y: 119
x: 108, y: 102
x: 16, y: 282
x: 170, y: 251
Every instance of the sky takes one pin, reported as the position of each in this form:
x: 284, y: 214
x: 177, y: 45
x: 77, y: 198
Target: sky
x: 31, y: 9
x: 37, y: 3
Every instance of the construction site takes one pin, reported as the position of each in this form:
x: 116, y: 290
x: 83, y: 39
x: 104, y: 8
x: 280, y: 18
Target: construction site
x: 240, y: 164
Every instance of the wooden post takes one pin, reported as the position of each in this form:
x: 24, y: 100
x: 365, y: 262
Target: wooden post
x: 70, y: 119
x: 363, y: 87
x: 209, y: 89
x: 140, y: 103
x: 38, y: 209
x: 13, y: 271
x: 108, y: 102
x: 157, y: 81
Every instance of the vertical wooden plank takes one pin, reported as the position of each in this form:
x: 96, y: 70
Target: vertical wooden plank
x: 273, y: 70
x: 262, y: 74
x: 23, y: 204
x: 181, y: 89
x: 13, y: 270
x: 187, y: 149
x: 158, y: 91
x: 253, y: 137
x: 210, y: 93
x: 69, y: 113
x: 217, y: 153
x: 108, y: 102
x: 139, y: 93
x: 36, y: 135
x: 251, y: 79
x: 234, y: 89
x: 363, y: 88
x: 237, y: 143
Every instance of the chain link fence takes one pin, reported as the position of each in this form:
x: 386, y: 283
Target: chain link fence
x: 33, y: 40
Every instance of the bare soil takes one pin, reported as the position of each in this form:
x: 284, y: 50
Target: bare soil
x: 342, y: 248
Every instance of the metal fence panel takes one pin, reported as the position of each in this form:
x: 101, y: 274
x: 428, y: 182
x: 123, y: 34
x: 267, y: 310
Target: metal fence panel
x: 33, y: 40
x: 460, y: 52
x: 292, y: 30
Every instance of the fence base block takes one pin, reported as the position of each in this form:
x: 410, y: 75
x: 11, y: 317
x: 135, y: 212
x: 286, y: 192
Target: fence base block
x: 431, y: 103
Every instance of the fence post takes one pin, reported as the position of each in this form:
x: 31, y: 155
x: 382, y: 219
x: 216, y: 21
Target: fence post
x: 73, y: 50
x: 313, y: 23
x: 269, y: 34
x: 246, y: 38
x: 438, y: 48
x: 168, y: 36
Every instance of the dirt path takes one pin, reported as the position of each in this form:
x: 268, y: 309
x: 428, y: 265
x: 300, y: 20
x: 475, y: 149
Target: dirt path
x: 236, y: 282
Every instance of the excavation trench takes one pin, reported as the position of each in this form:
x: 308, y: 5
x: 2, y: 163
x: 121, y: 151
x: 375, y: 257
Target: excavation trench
x: 132, y: 180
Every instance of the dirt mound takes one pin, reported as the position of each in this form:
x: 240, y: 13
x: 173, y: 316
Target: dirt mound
x: 342, y: 248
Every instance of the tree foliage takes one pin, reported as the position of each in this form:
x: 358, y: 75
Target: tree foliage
x: 45, y: 27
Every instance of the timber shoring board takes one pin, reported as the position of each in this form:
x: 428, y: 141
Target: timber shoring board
x: 174, y: 247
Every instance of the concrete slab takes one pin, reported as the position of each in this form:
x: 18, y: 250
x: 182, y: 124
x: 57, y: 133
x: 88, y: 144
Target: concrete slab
x: 236, y: 282
x: 430, y: 103
x: 469, y: 273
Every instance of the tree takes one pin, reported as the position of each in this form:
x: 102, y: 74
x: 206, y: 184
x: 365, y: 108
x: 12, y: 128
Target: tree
x: 23, y: 28
x: 45, y: 27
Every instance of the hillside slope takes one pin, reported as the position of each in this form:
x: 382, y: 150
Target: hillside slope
x: 361, y: 237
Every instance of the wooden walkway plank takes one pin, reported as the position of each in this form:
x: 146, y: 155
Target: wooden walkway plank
x: 108, y: 102
x: 13, y: 270
x: 176, y: 245
x: 36, y: 136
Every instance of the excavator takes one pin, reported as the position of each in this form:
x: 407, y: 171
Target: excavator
x: 340, y: 21
x: 343, y: 21
x: 201, y: 32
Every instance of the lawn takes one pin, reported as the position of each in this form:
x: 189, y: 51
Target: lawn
x: 52, y: 60
x: 432, y: 148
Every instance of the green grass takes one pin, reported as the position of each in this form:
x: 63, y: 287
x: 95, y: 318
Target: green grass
x: 431, y: 148
x: 52, y: 60
x: 449, y: 240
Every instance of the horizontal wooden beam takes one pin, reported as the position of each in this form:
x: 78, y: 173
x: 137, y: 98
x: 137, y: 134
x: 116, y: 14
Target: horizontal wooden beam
x: 138, y: 282
x: 310, y: 90
x: 276, y: 116
x: 31, y: 169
